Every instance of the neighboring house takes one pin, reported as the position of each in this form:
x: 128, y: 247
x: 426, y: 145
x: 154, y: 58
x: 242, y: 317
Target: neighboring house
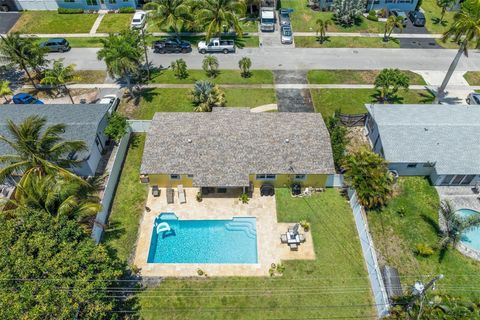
x: 400, y: 5
x: 81, y: 4
x: 85, y: 122
x: 234, y: 148
x: 438, y: 141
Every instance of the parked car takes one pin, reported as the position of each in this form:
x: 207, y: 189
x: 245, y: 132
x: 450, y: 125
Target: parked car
x: 25, y: 98
x: 473, y: 98
x: 216, y: 45
x: 138, y: 20
x: 171, y: 45
x: 56, y: 45
x: 284, y: 17
x: 286, y: 35
x: 401, y: 14
x: 417, y: 18
x: 267, y: 19
x: 112, y: 100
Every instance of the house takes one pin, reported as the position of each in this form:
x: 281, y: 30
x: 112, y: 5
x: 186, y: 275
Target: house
x: 234, y: 148
x: 400, y: 5
x: 77, y: 4
x: 85, y: 122
x: 441, y: 142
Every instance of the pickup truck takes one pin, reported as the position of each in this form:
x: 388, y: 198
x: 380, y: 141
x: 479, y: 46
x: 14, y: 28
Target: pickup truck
x: 216, y: 45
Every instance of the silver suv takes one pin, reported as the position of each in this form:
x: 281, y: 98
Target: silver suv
x: 56, y: 45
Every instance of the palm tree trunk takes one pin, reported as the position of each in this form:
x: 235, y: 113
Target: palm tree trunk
x: 451, y: 69
x: 385, y: 38
x: 29, y: 76
x: 68, y: 92
x: 129, y: 85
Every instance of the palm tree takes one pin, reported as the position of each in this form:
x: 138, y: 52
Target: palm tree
x: 210, y: 65
x: 392, y: 23
x: 172, y: 14
x: 123, y: 55
x: 59, y: 76
x: 245, y: 64
x: 444, y: 4
x: 220, y: 15
x: 322, y: 26
x: 464, y: 29
x: 5, y: 89
x: 206, y: 95
x: 389, y: 81
x: 37, y: 150
x: 23, y: 52
x: 455, y: 226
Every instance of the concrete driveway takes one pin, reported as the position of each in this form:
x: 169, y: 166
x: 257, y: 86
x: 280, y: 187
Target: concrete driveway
x: 8, y: 20
x: 293, y: 100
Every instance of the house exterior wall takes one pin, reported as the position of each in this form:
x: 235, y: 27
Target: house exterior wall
x: 163, y: 180
x: 75, y: 4
x: 421, y: 169
x: 401, y: 5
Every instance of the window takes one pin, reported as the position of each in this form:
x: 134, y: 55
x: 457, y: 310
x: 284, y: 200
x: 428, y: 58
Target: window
x: 300, y: 176
x: 174, y: 177
x: 468, y: 179
x: 411, y: 165
x: 190, y: 176
x: 458, y: 179
x: 69, y: 1
x: 265, y: 177
x: 112, y: 1
x: 92, y: 2
x: 447, y: 179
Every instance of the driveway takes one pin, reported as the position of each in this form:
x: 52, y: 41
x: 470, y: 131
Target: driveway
x: 7, y: 20
x: 293, y: 100
x: 415, y: 43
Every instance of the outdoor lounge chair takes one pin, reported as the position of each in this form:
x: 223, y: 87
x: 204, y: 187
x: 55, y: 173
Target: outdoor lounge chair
x: 302, y: 237
x: 284, y: 238
x: 294, y: 229
x: 293, y: 247
x: 170, y: 194
x: 181, y: 194
x: 155, y: 191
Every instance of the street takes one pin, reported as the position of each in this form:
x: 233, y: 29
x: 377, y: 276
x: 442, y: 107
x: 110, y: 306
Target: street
x: 301, y: 59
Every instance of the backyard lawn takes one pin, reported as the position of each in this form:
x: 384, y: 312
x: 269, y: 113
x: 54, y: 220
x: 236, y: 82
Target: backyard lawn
x: 303, y: 19
x: 432, y: 16
x: 345, y: 42
x: 352, y: 101
x: 178, y: 100
x: 472, y: 77
x: 353, y: 77
x: 115, y: 22
x: 225, y: 77
x: 53, y: 22
x: 409, y: 219
x: 335, y: 285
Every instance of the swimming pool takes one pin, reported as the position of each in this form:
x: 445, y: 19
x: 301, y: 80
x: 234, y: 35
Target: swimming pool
x: 203, y: 241
x: 472, y: 238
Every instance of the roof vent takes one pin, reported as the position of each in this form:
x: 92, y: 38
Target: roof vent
x: 287, y: 140
x: 189, y: 140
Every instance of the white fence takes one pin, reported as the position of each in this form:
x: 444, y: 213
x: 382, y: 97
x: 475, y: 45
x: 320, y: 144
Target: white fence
x: 139, y: 126
x: 376, y: 280
x: 334, y: 181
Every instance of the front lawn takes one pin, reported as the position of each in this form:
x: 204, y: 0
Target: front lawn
x: 345, y: 42
x: 115, y: 22
x: 354, y: 77
x: 352, y: 101
x: 178, y: 100
x: 225, y: 77
x: 472, y: 77
x: 409, y: 219
x: 91, y: 76
x: 335, y: 285
x: 53, y: 22
x: 432, y: 17
x: 303, y: 19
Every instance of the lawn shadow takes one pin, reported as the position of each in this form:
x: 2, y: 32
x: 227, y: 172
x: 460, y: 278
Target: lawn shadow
x: 114, y: 230
x: 395, y: 99
x: 325, y: 39
x: 435, y: 20
x: 432, y: 223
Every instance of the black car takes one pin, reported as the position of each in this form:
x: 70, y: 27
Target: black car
x: 171, y: 45
x: 417, y: 18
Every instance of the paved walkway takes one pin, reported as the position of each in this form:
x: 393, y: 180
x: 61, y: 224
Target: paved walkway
x: 457, y: 89
x: 97, y: 22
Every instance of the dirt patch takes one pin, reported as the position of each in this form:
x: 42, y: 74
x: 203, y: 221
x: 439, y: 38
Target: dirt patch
x: 52, y: 96
x: 128, y: 107
x: 356, y: 138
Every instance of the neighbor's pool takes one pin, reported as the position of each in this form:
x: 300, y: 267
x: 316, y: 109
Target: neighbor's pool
x: 203, y: 241
x: 472, y: 238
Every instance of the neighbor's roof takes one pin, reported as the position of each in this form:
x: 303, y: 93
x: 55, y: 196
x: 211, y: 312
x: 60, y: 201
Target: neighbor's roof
x: 448, y: 135
x: 81, y: 120
x: 222, y: 147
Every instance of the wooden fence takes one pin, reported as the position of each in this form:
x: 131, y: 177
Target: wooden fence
x: 351, y: 120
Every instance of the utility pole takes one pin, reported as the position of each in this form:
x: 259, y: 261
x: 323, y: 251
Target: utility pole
x: 146, y: 55
x: 419, y: 291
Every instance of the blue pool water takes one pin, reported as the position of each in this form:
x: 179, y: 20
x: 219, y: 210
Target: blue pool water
x: 204, y: 241
x: 471, y: 238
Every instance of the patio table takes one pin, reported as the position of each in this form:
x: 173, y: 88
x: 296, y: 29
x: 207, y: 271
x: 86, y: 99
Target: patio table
x: 293, y: 238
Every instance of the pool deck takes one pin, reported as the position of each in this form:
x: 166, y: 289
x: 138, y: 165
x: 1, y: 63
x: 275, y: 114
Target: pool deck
x: 220, y: 207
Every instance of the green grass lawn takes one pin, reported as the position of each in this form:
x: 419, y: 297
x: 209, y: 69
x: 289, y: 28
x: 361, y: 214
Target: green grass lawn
x: 345, y: 42
x: 432, y: 16
x: 395, y: 237
x: 129, y: 202
x: 225, y: 77
x: 334, y: 285
x: 472, y: 77
x: 353, y: 76
x: 178, y: 100
x: 115, y: 22
x: 249, y: 25
x: 91, y: 76
x: 303, y: 19
x: 352, y: 101
x: 52, y: 22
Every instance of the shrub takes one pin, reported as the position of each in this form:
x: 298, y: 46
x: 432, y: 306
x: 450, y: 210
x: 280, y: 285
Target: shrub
x: 347, y: 11
x: 210, y: 66
x: 199, y: 196
x: 205, y: 95
x: 179, y: 68
x: 200, y: 272
x: 338, y: 138
x: 423, y: 250
x: 402, y: 212
x: 372, y: 16
x: 126, y: 10
x: 69, y: 11
x: 244, y: 64
x: 244, y: 198
x: 117, y: 127
x: 305, y: 225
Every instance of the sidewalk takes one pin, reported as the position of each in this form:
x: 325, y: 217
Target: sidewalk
x: 457, y: 89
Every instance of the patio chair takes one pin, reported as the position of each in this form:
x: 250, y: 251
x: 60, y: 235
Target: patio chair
x: 170, y: 194
x: 284, y: 238
x: 293, y: 247
x: 155, y: 191
x: 294, y: 229
x: 181, y: 194
x: 302, y: 237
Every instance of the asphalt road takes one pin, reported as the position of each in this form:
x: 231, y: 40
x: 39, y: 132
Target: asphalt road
x: 302, y: 59
x: 7, y: 20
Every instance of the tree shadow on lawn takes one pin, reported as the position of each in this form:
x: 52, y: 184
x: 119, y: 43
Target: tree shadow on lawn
x: 398, y: 99
x: 443, y: 23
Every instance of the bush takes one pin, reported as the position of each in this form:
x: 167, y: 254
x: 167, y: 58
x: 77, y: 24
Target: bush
x: 126, y: 10
x: 372, y: 16
x: 244, y: 198
x: 179, y: 68
x: 305, y: 225
x: 117, y: 127
x: 338, y: 138
x: 423, y: 250
x: 69, y: 11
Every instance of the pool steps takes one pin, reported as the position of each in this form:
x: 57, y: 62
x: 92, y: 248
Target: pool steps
x: 245, y: 226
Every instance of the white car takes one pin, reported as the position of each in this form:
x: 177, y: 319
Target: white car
x: 286, y: 35
x: 473, y: 98
x: 112, y: 100
x: 138, y: 20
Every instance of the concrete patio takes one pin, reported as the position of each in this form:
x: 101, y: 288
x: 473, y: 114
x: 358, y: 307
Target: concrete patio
x: 460, y: 197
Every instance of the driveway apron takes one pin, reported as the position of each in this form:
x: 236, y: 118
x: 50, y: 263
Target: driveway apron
x: 293, y: 100
x: 7, y: 20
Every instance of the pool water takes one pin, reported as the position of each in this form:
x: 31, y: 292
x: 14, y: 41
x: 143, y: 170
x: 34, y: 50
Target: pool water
x: 204, y: 241
x: 472, y: 238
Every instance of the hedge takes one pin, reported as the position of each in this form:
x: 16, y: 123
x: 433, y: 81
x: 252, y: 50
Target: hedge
x: 69, y: 11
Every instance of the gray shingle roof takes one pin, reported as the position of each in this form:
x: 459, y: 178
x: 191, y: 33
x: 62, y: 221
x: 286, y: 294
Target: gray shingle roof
x: 448, y: 135
x: 223, y: 147
x: 81, y: 120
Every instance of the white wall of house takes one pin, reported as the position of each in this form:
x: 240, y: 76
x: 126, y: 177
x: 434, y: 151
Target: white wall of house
x: 37, y: 5
x: 77, y: 4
